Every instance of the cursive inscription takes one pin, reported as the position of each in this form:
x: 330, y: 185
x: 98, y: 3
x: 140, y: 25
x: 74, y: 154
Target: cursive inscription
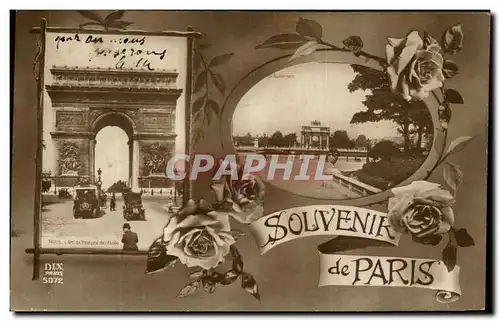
x: 127, y: 52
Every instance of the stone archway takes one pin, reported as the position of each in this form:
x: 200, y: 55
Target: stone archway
x: 82, y: 101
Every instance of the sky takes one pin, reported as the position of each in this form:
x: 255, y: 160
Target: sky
x: 297, y: 95
x: 111, y: 155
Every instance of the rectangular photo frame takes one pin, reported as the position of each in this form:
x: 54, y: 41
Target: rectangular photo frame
x: 136, y: 83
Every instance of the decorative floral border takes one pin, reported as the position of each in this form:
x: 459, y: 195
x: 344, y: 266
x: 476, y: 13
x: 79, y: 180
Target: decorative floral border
x: 200, y: 234
x: 204, y: 107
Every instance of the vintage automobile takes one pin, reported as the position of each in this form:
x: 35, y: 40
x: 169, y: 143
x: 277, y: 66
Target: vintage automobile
x: 132, y: 208
x: 63, y: 193
x: 86, y: 202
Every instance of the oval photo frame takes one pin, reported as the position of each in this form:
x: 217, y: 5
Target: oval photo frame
x: 325, y: 56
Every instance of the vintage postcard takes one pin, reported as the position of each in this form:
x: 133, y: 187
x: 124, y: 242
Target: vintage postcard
x: 250, y: 161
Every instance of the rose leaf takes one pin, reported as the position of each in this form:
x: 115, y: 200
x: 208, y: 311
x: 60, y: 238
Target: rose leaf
x: 234, y: 252
x: 453, y: 176
x: 450, y: 69
x: 238, y: 265
x: 305, y: 50
x: 458, y: 144
x: 213, y: 106
x: 309, y: 28
x: 189, y: 289
x: 200, y: 81
x: 198, y: 104
x: 444, y: 113
x: 197, y: 61
x: 209, y: 286
x: 429, y: 240
x: 219, y: 60
x: 196, y: 274
x: 92, y: 15
x: 229, y: 277
x: 118, y: 14
x: 248, y: 284
x: 463, y: 238
x: 452, y: 40
x: 158, y: 259
x: 453, y: 96
x: 89, y: 24
x: 283, y: 41
x: 353, y: 43
x: 218, y: 82
x: 119, y: 24
x: 450, y: 257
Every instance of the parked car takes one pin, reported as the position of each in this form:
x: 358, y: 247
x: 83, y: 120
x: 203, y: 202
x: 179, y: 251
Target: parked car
x: 132, y: 208
x: 63, y: 193
x: 86, y: 202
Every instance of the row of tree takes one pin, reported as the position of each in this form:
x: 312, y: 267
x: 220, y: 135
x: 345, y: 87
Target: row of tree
x: 339, y: 139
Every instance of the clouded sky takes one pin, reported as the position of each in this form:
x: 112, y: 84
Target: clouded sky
x: 317, y: 91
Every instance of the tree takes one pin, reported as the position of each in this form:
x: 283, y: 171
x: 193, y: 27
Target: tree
x: 340, y: 139
x: 263, y: 141
x: 290, y: 140
x: 246, y: 140
x: 46, y: 184
x: 384, y: 150
x: 382, y: 104
x: 277, y: 140
x: 118, y: 187
x: 362, y: 141
x: 422, y: 126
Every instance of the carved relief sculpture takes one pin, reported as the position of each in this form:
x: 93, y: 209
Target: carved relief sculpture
x: 156, y: 159
x: 69, y: 163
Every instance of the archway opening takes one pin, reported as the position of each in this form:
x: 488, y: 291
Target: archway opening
x: 113, y: 151
x: 112, y: 156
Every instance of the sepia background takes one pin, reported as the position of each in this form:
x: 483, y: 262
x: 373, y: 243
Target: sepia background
x: 119, y: 283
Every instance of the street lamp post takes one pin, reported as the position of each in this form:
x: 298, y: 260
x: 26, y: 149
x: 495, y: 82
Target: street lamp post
x: 150, y: 168
x: 99, y: 185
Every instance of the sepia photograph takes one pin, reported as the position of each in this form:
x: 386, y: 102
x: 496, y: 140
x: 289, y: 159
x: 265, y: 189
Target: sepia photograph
x: 341, y: 113
x: 113, y: 112
x: 250, y: 161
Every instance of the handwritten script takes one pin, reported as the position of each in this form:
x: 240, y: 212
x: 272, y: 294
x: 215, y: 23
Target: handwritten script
x: 125, y: 51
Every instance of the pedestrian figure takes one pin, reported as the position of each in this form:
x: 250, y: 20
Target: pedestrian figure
x: 161, y: 191
x: 152, y: 192
x: 129, y: 239
x: 112, y: 204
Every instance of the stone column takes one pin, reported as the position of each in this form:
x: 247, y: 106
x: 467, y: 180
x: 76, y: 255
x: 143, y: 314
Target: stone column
x: 130, y: 144
x: 92, y: 144
x: 135, y: 165
x: 320, y: 141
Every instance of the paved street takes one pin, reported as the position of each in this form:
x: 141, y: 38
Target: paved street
x: 61, y: 230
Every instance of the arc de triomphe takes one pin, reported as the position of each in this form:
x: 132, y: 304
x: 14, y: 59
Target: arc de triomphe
x: 85, y: 100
